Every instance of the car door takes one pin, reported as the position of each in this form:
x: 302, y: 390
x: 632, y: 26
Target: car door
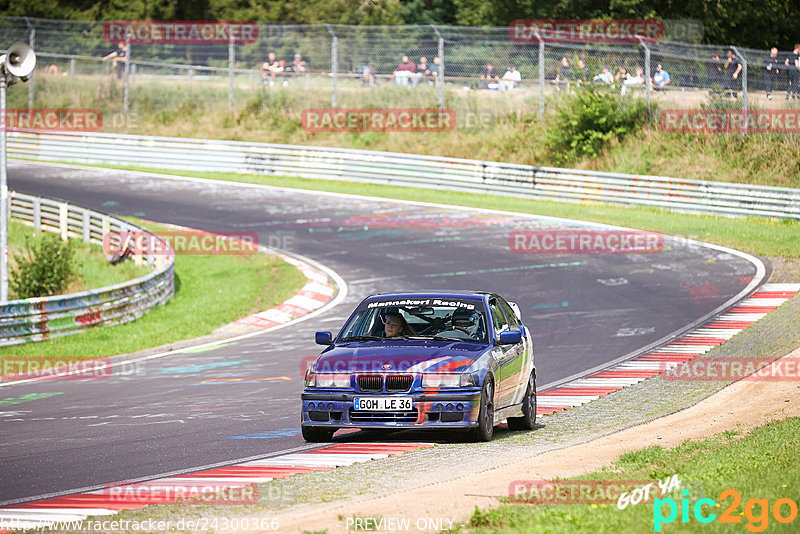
x: 508, y: 357
x: 519, y: 368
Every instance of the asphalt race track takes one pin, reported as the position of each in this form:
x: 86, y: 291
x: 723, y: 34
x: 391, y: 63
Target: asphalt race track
x: 177, y: 412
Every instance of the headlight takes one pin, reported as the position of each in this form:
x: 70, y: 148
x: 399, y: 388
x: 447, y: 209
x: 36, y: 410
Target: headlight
x: 447, y: 380
x: 327, y: 380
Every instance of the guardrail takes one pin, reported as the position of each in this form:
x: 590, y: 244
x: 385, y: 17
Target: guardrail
x: 431, y: 172
x: 36, y: 319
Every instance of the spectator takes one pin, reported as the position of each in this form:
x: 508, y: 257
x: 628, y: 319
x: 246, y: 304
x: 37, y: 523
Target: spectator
x: 732, y: 70
x: 583, y: 73
x: 661, y: 78
x: 605, y: 76
x: 511, y: 79
x: 633, y: 81
x: 689, y: 80
x: 120, y: 59
x: 367, y: 73
x: 404, y: 71
x: 436, y: 68
x: 298, y: 66
x: 271, y: 67
x: 770, y: 71
x: 792, y: 67
x: 715, y: 75
x: 422, y: 70
x: 564, y: 74
x: 489, y: 76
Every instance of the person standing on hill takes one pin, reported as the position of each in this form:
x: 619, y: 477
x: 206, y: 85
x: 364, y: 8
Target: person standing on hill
x: 792, y: 67
x: 771, y: 70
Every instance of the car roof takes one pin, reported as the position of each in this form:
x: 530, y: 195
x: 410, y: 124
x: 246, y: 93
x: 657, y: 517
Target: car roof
x: 433, y: 293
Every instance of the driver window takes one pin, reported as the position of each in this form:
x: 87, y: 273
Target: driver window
x: 509, y: 312
x: 498, y: 318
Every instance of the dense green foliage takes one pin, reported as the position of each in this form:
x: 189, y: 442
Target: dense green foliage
x: 591, y: 118
x: 752, y: 23
x: 44, y: 268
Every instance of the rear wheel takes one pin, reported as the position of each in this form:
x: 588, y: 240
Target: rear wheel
x: 485, y: 429
x: 528, y: 419
x: 316, y: 434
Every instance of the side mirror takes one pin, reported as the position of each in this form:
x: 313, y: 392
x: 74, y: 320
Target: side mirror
x: 510, y: 337
x: 323, y: 338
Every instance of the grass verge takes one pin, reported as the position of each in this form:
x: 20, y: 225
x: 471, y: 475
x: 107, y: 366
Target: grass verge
x: 92, y: 267
x: 210, y: 291
x: 766, y: 237
x: 757, y: 466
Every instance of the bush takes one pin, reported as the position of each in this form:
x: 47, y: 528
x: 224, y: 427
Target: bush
x: 589, y: 119
x: 43, y: 268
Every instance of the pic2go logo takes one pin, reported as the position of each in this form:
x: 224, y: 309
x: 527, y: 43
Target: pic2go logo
x: 756, y: 511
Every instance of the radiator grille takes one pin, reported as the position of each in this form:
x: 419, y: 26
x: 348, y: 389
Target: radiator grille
x: 373, y: 383
x: 397, y: 383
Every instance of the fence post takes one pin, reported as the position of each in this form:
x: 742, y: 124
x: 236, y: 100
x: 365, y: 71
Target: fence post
x: 541, y: 72
x: 72, y: 68
x: 744, y: 89
x: 86, y: 229
x: 231, y: 66
x: 126, y: 91
x: 37, y: 214
x: 63, y: 220
x: 31, y: 79
x: 334, y: 63
x: 440, y: 79
x: 647, y: 85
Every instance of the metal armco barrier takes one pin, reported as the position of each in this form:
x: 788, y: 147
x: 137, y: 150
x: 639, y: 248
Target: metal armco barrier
x: 432, y: 172
x: 36, y: 319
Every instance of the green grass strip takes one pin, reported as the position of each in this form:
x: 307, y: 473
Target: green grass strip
x: 759, y: 465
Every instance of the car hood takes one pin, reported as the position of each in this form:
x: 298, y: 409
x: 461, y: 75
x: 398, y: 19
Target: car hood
x: 404, y: 355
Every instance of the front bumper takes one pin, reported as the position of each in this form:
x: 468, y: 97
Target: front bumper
x: 457, y: 408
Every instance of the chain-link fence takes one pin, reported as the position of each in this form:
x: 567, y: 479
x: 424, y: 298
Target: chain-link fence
x: 474, y: 71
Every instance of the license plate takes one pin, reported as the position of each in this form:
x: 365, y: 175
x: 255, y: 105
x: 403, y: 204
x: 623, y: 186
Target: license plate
x: 382, y: 404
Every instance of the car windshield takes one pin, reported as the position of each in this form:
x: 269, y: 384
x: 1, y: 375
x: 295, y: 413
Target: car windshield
x: 441, y: 319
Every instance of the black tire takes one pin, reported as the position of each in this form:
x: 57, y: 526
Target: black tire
x: 528, y: 419
x: 317, y: 434
x: 485, y: 429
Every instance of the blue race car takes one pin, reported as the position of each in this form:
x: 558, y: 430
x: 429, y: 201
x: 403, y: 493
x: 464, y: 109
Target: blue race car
x: 423, y: 360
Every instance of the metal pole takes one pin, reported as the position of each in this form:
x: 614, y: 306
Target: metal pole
x: 334, y: 63
x: 744, y: 90
x: 541, y: 73
x: 231, y: 66
x: 648, y: 85
x: 126, y: 91
x: 440, y: 79
x: 3, y: 195
x: 31, y: 93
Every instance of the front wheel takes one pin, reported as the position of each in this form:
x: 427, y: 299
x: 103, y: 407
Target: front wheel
x: 485, y: 429
x: 528, y: 419
x: 316, y: 434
